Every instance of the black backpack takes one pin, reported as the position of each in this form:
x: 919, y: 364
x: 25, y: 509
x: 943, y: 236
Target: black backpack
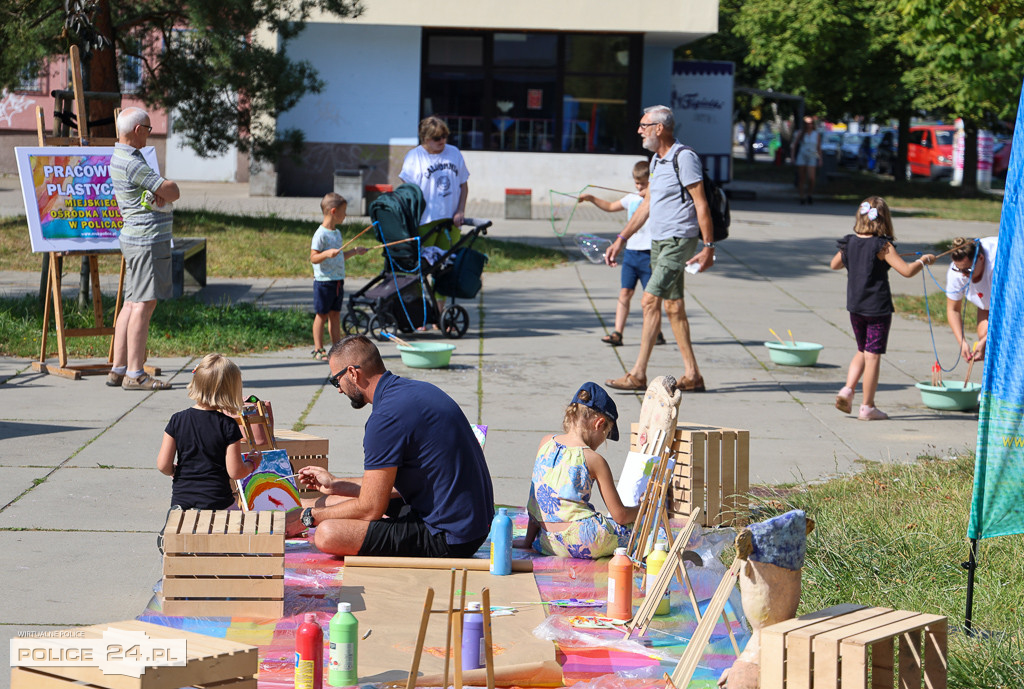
x: 718, y: 202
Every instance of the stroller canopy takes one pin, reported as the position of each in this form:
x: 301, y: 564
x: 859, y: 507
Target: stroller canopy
x: 397, y: 214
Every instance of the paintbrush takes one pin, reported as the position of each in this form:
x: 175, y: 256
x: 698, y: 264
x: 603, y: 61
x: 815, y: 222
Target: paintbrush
x: 791, y: 337
x: 970, y: 365
x: 936, y: 375
x: 781, y: 341
x: 361, y: 233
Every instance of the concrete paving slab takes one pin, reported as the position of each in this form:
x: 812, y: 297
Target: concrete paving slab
x: 75, y: 578
x: 16, y: 480
x: 42, y: 443
x: 93, y: 500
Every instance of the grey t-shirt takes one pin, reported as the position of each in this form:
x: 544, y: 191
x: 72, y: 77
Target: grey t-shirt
x: 672, y: 211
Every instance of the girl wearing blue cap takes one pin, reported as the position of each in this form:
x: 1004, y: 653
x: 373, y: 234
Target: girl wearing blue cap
x: 562, y: 520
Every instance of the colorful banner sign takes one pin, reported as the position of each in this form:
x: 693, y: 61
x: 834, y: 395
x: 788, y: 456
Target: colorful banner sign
x: 69, y: 199
x: 996, y: 507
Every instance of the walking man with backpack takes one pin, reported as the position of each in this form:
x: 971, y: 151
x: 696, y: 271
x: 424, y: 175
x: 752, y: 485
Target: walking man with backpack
x: 680, y: 222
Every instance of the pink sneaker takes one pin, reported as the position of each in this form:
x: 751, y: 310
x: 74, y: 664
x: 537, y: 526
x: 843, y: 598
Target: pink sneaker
x: 871, y: 414
x: 844, y: 400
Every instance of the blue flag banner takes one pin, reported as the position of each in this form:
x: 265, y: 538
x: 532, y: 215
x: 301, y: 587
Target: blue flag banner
x: 997, y: 507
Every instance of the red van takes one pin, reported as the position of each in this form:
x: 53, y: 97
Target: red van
x: 930, y: 150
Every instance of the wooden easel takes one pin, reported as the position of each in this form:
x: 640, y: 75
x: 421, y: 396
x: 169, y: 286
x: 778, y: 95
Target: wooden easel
x: 259, y: 418
x: 673, y: 567
x: 653, y: 510
x: 456, y: 615
x: 54, y: 259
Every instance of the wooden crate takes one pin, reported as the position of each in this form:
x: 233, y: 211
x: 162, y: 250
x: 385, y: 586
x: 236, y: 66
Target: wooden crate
x: 304, y: 450
x: 712, y: 472
x: 855, y: 647
x: 223, y: 563
x: 210, y: 662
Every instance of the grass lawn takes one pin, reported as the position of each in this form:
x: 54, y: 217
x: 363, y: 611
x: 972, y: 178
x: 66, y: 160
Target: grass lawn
x: 249, y: 246
x: 894, y: 536
x: 917, y: 198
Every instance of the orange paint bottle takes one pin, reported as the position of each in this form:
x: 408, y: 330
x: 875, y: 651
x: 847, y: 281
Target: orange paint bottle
x: 620, y: 586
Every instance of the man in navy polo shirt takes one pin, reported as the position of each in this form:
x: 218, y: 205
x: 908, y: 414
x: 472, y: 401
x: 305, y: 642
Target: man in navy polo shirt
x: 425, y: 489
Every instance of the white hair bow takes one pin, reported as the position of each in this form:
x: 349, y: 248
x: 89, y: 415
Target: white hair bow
x: 866, y: 209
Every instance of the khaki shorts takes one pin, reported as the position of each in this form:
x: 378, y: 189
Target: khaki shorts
x: 668, y: 266
x: 148, y: 271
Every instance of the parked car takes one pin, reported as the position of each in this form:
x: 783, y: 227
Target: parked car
x: 830, y: 142
x: 854, y: 148
x: 930, y: 150
x: 885, y: 151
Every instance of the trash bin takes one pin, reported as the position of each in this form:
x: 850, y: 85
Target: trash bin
x: 373, y: 191
x: 349, y: 183
x: 829, y: 163
x: 518, y: 204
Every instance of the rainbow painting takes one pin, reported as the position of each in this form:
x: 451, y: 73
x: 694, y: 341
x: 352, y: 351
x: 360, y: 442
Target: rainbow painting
x: 270, y: 487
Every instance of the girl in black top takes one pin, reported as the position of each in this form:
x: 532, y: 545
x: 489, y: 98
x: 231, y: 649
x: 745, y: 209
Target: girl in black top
x: 867, y: 255
x: 206, y: 440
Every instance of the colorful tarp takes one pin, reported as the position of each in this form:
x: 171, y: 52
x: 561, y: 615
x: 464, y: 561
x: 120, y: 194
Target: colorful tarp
x: 313, y: 583
x: 997, y: 508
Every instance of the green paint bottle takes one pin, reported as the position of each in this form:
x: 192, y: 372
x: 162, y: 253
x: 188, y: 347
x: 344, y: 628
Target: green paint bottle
x: 344, y: 638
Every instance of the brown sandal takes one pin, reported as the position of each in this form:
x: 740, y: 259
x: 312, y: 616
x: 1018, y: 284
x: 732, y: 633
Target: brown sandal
x: 615, y: 339
x: 626, y: 382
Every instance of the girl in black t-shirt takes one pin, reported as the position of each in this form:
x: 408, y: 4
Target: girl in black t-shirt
x: 207, y: 440
x: 867, y: 255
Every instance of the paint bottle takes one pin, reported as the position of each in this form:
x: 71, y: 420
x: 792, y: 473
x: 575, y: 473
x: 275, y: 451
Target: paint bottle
x: 473, y: 649
x: 343, y: 634
x: 620, y: 586
x: 655, y: 563
x: 501, y: 543
x: 309, y: 654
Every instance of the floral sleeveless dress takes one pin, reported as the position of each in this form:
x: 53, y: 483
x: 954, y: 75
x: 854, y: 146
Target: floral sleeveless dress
x: 560, y: 492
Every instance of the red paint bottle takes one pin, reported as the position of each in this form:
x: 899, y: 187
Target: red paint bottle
x: 309, y: 654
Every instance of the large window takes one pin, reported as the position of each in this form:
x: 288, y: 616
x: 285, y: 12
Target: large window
x: 516, y: 91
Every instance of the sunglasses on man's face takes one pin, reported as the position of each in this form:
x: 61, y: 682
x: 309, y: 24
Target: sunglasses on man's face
x: 333, y: 380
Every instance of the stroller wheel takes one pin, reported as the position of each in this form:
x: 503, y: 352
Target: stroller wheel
x: 381, y: 323
x: 355, y: 323
x: 454, y: 321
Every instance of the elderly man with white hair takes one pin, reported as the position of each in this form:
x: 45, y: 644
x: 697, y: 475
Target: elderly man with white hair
x: 679, y: 218
x: 143, y: 197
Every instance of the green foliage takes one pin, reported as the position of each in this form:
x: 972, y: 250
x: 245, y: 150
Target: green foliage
x: 893, y: 536
x: 968, y: 56
x: 202, y: 59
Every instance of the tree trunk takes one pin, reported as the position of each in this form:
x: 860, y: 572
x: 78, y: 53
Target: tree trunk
x: 102, y: 74
x: 970, y: 185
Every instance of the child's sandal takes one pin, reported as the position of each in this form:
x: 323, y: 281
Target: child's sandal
x: 615, y: 339
x: 319, y: 354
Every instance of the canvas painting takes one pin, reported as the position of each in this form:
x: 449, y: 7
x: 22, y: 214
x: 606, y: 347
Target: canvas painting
x: 268, y: 488
x: 636, y: 472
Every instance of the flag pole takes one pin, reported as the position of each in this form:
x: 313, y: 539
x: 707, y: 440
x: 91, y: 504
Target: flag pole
x: 970, y: 566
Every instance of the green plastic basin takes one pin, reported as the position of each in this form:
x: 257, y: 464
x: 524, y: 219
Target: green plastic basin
x: 794, y: 354
x: 950, y: 396
x: 427, y: 354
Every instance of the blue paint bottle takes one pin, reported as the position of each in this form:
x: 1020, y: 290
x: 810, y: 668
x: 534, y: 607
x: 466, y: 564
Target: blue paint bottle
x: 501, y: 543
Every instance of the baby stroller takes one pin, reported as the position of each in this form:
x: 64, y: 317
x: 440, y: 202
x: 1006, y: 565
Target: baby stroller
x: 419, y: 262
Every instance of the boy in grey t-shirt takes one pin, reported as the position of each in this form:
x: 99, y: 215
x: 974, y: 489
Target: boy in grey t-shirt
x: 328, y: 259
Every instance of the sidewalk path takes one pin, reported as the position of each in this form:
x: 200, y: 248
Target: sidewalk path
x: 81, y: 501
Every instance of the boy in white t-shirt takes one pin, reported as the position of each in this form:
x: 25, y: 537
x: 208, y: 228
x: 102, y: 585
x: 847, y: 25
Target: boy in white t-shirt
x: 636, y: 260
x: 329, y: 272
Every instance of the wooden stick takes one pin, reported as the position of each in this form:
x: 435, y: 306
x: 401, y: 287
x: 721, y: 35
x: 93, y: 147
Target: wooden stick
x: 620, y: 191
x: 361, y: 233
x: 791, y: 337
x: 970, y: 365
x: 915, y: 253
x: 448, y: 628
x: 485, y: 596
x: 397, y: 339
x: 470, y: 563
x: 400, y: 241
x: 424, y: 620
x: 702, y: 634
x: 781, y: 341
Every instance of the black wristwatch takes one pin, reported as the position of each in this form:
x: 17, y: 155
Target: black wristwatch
x: 307, y: 518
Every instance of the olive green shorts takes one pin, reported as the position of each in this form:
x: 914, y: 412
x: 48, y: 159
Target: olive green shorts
x: 668, y: 266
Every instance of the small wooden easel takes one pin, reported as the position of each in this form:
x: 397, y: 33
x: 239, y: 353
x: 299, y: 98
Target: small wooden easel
x: 455, y: 614
x: 249, y: 419
x: 653, y: 509
x: 54, y: 259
